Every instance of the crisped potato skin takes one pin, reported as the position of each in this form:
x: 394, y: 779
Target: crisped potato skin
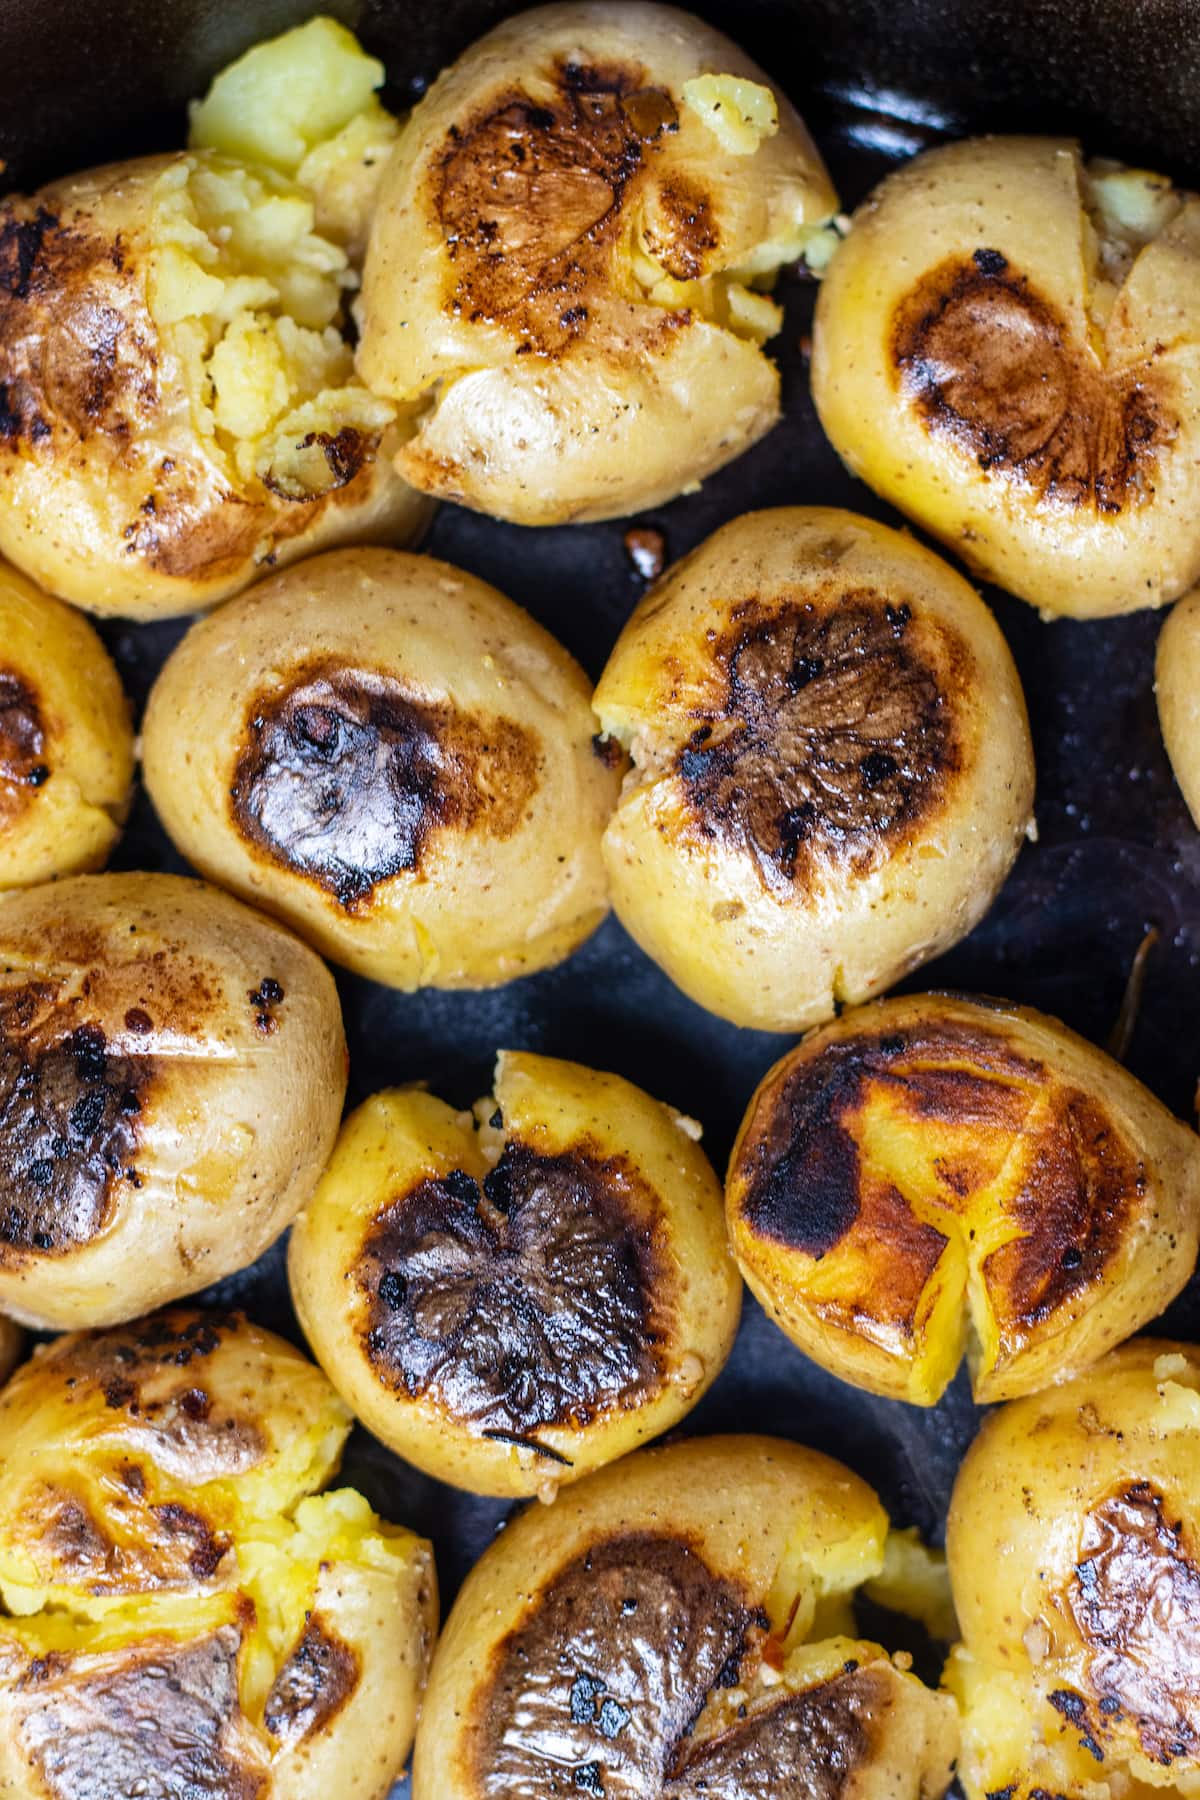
x: 66, y: 743
x: 833, y: 770
x: 1177, y: 690
x: 550, y: 182
x: 172, y: 1069
x: 1074, y: 1549
x: 1049, y: 437
x: 933, y: 1174
x: 594, y: 1298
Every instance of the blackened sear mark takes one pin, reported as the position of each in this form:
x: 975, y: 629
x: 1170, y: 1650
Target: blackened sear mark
x: 314, y: 1684
x: 802, y: 1171
x: 22, y: 742
x: 527, y: 1304
x: 21, y: 242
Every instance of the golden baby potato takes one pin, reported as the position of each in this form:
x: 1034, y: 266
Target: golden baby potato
x: 1177, y: 690
x: 172, y: 1070
x: 393, y: 758
x: 832, y: 770
x: 936, y: 1176
x: 66, y: 743
x: 187, y: 1608
x: 1007, y: 347
x: 568, y: 262
x: 1074, y: 1548
x: 510, y: 1300
x: 180, y: 408
x: 680, y: 1626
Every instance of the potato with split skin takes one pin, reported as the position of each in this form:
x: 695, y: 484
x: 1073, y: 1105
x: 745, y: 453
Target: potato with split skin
x: 394, y: 759
x: 1177, y: 690
x: 832, y: 769
x: 1028, y: 325
x: 936, y: 1176
x: 512, y: 1300
x: 568, y: 264
x: 66, y: 744
x: 677, y: 1626
x: 187, y: 1608
x: 1074, y: 1549
x: 172, y: 1070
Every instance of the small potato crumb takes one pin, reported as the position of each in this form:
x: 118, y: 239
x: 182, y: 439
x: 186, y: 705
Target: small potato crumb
x: 740, y: 114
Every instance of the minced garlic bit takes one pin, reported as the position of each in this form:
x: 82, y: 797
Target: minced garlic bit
x: 740, y: 114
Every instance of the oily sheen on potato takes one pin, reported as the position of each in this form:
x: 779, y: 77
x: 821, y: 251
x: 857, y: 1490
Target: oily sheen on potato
x: 172, y: 1069
x: 679, y: 1626
x: 1074, y: 1549
x: 66, y: 743
x: 511, y: 1300
x: 394, y: 759
x: 1028, y: 325
x: 188, y: 1608
x: 935, y: 1176
x: 832, y: 770
x: 566, y: 267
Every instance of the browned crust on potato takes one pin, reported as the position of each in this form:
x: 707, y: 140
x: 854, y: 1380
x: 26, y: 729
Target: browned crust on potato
x: 318, y: 1679
x: 344, y: 778
x: 988, y: 362
x: 23, y: 768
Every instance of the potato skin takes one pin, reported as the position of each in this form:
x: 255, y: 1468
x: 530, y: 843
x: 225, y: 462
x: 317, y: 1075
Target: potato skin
x: 172, y: 1069
x: 598, y: 1265
x: 567, y: 394
x: 66, y: 744
x: 833, y: 770
x: 931, y: 1161
x: 109, y: 496
x: 957, y: 309
x: 183, y: 1607
x: 592, y: 1633
x: 464, y: 847
x: 1075, y: 1560
x: 1177, y: 690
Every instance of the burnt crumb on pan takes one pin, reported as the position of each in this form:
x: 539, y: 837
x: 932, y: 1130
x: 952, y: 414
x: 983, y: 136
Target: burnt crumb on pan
x: 344, y: 778
x: 989, y: 362
x: 22, y: 744
x: 531, y: 1301
x: 314, y: 1684
x: 832, y: 736
x: 646, y: 549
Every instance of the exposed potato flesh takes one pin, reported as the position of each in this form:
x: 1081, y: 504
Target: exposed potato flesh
x: 565, y: 264
x: 1028, y: 325
x: 680, y: 1625
x: 1177, y: 690
x: 184, y: 1610
x: 933, y: 1176
x: 832, y: 770
x: 397, y: 761
x: 66, y: 744
x: 508, y: 1302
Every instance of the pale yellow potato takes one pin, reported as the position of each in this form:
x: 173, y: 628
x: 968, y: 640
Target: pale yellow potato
x: 393, y: 758
x: 832, y: 765
x: 187, y: 1609
x: 509, y: 1302
x: 935, y: 1176
x: 1007, y: 347
x: 1074, y: 1549
x: 567, y: 262
x: 182, y: 409
x: 1177, y: 690
x: 708, y: 1581
x: 66, y: 743
x: 172, y: 1070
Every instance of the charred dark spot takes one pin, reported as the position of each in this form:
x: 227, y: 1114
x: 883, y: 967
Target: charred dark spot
x: 346, y: 454
x: 314, y: 1684
x: 203, y: 1547
x: 344, y: 778
x: 681, y: 233
x: 831, y: 737
x: 991, y: 364
x: 802, y: 1170
x: 21, y: 242
x: 525, y: 1304
x: 138, y: 1022
x: 22, y: 744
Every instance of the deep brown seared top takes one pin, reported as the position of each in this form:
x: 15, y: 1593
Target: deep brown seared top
x: 23, y: 769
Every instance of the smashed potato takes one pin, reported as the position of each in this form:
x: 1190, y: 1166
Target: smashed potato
x: 511, y: 1301
x: 66, y: 744
x: 676, y: 1626
x: 832, y: 770
x: 1177, y: 690
x: 172, y: 1069
x: 396, y: 760
x: 568, y: 263
x: 1074, y: 1547
x: 1028, y: 325
x: 933, y: 1176
x: 185, y: 1611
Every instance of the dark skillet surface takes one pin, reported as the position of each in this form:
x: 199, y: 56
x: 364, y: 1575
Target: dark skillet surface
x: 1116, y: 853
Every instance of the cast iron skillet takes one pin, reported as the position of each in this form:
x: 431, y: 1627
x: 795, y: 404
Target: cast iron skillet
x: 1116, y: 853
